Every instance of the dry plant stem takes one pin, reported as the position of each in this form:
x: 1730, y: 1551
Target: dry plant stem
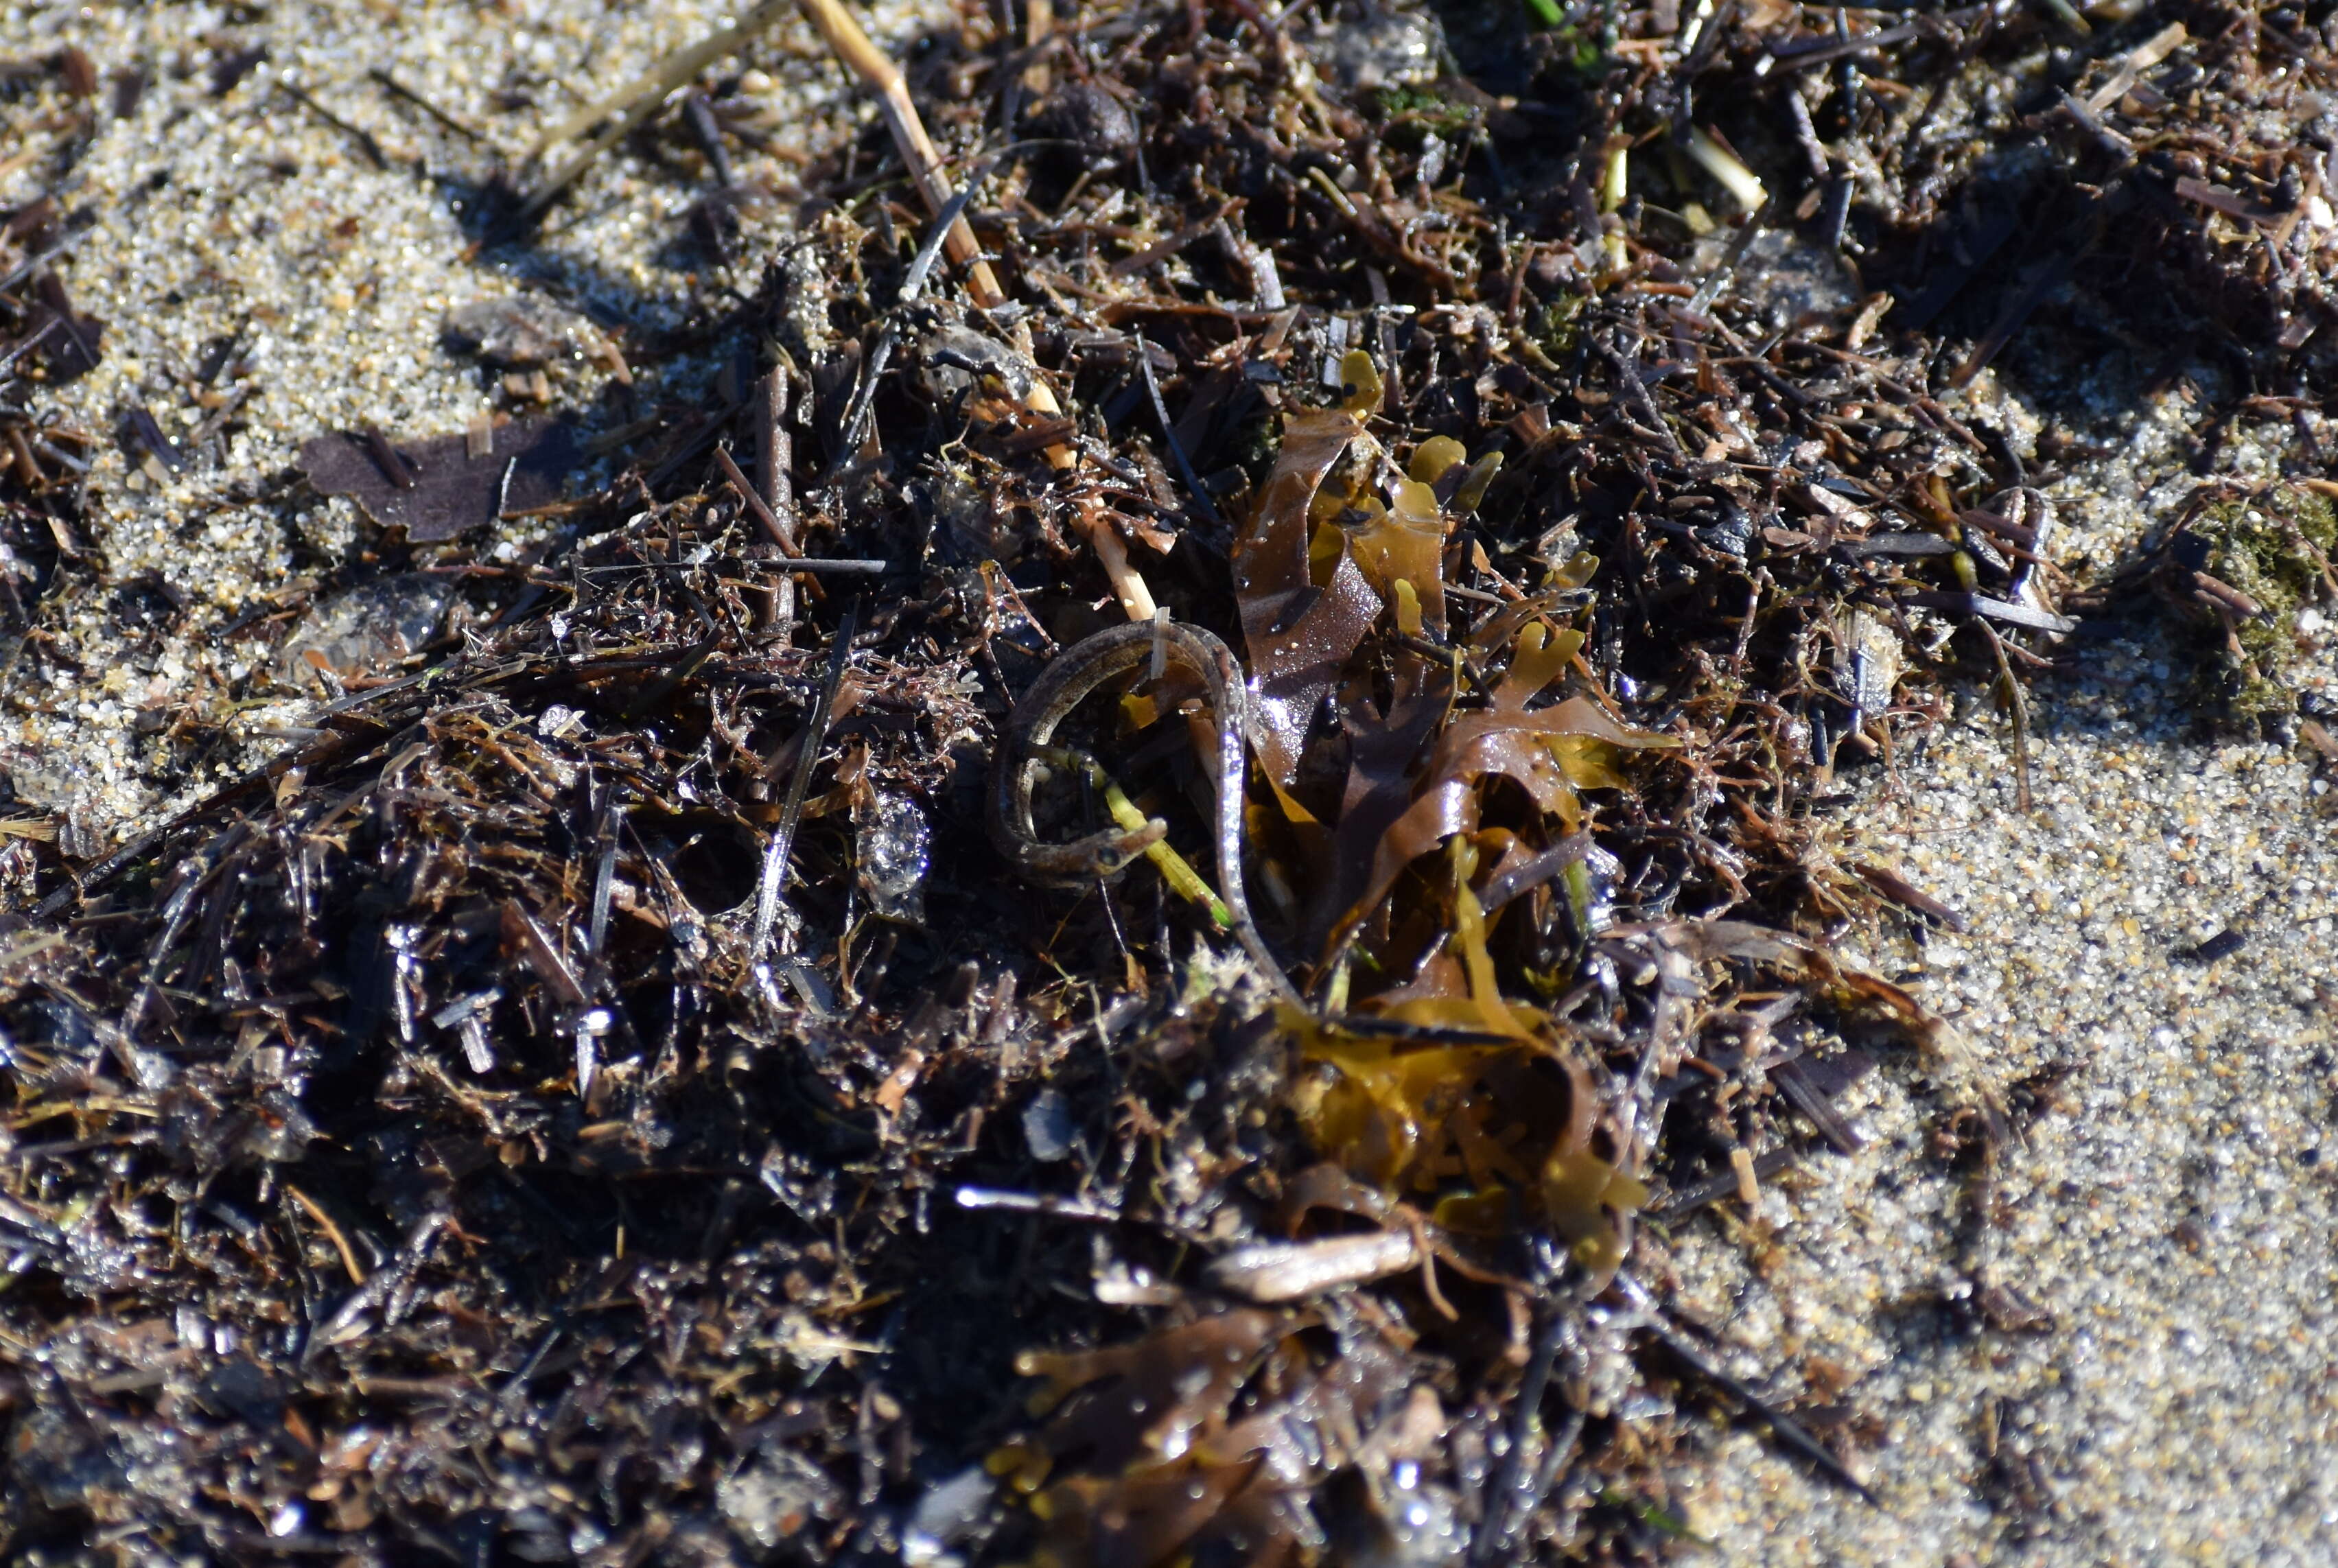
x: 1169, y: 434
x: 1038, y: 22
x: 665, y: 76
x: 883, y: 78
x: 1136, y: 599
x: 771, y: 885
x: 755, y: 504
x: 1789, y: 1432
x: 637, y: 101
x: 774, y: 455
x: 2010, y: 690
x: 778, y: 530
x: 332, y: 1232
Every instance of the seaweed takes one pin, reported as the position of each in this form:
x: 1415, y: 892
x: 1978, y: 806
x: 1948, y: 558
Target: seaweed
x: 597, y: 1095
x: 446, y: 485
x: 2242, y: 568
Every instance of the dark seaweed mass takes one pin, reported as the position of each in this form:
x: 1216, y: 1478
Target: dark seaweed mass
x: 599, y: 1096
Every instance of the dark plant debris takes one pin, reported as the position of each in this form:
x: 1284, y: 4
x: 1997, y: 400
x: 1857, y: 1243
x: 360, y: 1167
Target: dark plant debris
x: 599, y: 1096
x: 45, y: 457
x: 445, y: 486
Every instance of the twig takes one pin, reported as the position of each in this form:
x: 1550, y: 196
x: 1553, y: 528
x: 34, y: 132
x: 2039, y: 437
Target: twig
x: 764, y: 514
x: 774, y: 459
x: 1136, y: 599
x: 775, y: 856
x: 856, y: 418
x: 884, y: 79
x: 2020, y: 709
x: 332, y: 1232
x: 1169, y: 434
x: 921, y: 265
x: 634, y: 103
x: 664, y: 75
x: 1701, y: 302
x: 1503, y: 1516
x: 842, y: 565
x: 29, y: 344
x: 2144, y: 55
x: 399, y: 89
x: 364, y: 138
x: 980, y: 1197
x: 386, y: 1287
x: 33, y: 264
x: 1789, y: 1432
x: 699, y: 115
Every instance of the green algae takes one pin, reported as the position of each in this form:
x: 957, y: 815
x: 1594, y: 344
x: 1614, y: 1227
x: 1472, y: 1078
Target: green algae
x: 2274, y: 548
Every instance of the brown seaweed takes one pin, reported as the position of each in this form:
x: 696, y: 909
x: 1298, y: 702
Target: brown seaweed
x: 593, y: 1096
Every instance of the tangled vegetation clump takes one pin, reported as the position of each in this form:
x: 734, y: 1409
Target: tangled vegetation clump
x: 2241, y: 570
x: 600, y: 1095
